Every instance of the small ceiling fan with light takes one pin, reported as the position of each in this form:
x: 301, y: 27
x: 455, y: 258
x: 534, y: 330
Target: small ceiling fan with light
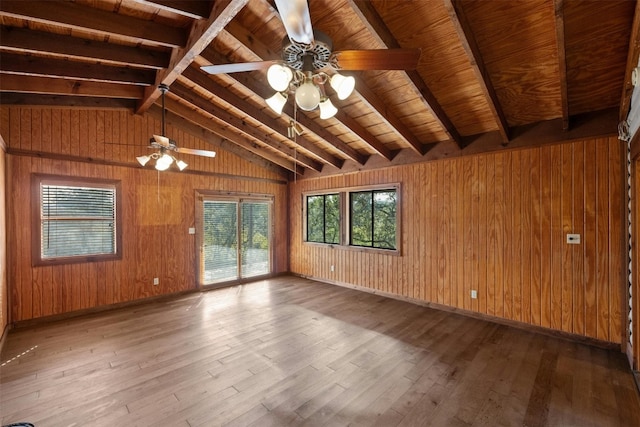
x: 308, y: 63
x: 164, y: 146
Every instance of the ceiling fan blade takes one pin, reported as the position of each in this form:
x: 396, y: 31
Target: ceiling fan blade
x: 296, y: 19
x: 237, y: 67
x: 204, y: 153
x: 162, y: 140
x: 376, y: 59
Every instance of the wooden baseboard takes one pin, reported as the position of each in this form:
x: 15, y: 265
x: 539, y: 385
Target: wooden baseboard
x: 481, y: 316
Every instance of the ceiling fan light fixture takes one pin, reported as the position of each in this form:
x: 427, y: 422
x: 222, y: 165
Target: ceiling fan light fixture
x: 181, y: 165
x: 327, y: 109
x: 279, y: 77
x: 143, y: 160
x: 163, y: 163
x: 276, y: 102
x: 343, y: 85
x: 308, y: 96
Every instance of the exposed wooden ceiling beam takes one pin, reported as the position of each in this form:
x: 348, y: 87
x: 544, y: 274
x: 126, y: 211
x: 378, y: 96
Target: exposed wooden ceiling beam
x: 468, y: 41
x: 632, y: 62
x: 196, y: 9
x: 45, y: 85
x: 262, y: 52
x: 230, y: 138
x: 244, y: 79
x: 558, y: 6
x: 39, y: 66
x: 249, y: 109
x: 65, y: 101
x: 201, y: 34
x: 369, y: 98
x: 74, y: 15
x: 28, y: 41
x: 365, y: 135
x: 378, y: 29
x: 244, y: 127
x: 179, y: 121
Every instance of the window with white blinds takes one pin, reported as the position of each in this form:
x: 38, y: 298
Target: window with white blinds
x: 77, y: 220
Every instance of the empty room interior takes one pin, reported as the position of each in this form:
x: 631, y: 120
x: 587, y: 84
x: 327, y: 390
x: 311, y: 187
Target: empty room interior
x: 345, y: 212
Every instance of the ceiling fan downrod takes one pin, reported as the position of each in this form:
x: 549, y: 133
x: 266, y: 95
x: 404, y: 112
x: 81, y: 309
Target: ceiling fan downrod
x: 163, y: 89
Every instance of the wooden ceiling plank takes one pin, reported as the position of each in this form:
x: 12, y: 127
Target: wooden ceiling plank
x: 180, y: 120
x: 201, y: 34
x: 244, y: 127
x: 40, y: 66
x: 52, y: 86
x: 65, y: 101
x: 465, y: 34
x: 195, y: 9
x: 232, y: 138
x: 261, y: 52
x: 632, y: 62
x: 74, y: 15
x: 247, y: 108
x: 28, y: 41
x: 558, y: 6
x: 378, y: 29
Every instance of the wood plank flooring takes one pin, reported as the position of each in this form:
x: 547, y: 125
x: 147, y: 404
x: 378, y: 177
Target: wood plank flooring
x: 289, y: 351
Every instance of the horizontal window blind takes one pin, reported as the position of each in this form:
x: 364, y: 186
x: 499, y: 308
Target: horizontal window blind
x: 77, y: 220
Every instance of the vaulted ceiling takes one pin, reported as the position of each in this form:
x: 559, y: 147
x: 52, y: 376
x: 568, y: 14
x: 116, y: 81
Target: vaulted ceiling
x: 492, y: 74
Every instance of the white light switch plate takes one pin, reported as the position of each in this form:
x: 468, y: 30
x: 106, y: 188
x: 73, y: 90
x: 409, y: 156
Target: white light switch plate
x: 192, y: 230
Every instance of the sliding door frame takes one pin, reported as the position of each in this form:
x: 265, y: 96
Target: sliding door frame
x: 225, y: 196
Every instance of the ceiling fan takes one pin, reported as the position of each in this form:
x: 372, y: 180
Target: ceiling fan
x: 309, y: 62
x: 164, y: 146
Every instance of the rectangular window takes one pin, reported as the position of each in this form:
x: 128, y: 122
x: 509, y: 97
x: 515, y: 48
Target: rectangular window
x: 367, y: 218
x: 323, y: 218
x: 77, y: 220
x: 372, y: 217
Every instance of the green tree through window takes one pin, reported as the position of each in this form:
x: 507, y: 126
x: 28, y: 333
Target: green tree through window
x: 323, y: 218
x: 373, y: 219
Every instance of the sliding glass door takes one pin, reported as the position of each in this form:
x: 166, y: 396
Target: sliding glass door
x: 234, y: 238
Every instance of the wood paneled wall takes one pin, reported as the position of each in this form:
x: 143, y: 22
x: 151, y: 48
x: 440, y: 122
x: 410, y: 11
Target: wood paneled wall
x: 4, y: 314
x: 496, y: 223
x: 158, y: 208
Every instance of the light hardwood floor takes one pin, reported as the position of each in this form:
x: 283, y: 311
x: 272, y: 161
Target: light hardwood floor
x: 292, y: 351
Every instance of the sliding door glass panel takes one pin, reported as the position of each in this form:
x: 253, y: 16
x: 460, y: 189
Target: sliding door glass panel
x: 220, y: 239
x: 255, y: 239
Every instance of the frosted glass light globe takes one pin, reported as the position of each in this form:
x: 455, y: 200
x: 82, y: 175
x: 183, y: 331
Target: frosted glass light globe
x: 279, y: 77
x: 343, y: 85
x: 327, y: 109
x: 308, y: 96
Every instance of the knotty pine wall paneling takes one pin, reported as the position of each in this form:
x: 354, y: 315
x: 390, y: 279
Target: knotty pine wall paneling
x: 4, y: 292
x: 158, y: 208
x: 495, y: 223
